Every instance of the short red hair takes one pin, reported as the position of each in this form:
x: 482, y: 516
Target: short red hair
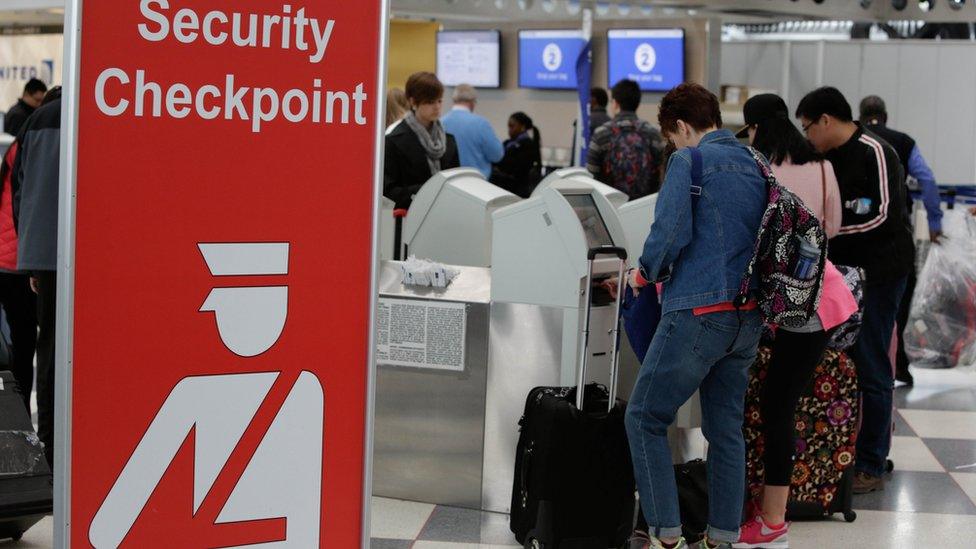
x: 693, y: 104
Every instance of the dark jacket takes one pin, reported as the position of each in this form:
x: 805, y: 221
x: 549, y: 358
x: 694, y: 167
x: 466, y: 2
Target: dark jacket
x: 16, y: 116
x: 901, y: 142
x: 880, y: 240
x: 598, y: 117
x: 915, y: 166
x: 35, y: 186
x: 520, y: 170
x: 406, y: 169
x: 903, y: 145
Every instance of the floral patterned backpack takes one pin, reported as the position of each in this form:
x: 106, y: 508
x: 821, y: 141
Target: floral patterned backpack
x: 789, y: 256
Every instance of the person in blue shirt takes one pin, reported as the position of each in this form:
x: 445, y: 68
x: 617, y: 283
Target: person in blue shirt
x: 478, y: 146
x: 874, y: 116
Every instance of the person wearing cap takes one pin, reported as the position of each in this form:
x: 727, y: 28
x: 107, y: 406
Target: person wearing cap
x: 796, y: 352
x: 874, y: 116
x: 874, y: 235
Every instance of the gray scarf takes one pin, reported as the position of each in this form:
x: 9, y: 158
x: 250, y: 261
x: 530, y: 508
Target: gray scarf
x: 434, y: 141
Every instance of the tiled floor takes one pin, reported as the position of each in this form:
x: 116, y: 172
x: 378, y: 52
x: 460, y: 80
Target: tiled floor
x: 929, y: 501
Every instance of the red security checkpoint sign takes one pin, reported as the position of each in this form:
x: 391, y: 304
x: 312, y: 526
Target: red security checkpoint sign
x: 226, y: 178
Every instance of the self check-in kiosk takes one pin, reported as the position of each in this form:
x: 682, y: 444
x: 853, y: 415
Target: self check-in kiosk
x: 580, y: 176
x: 539, y: 268
x: 450, y: 218
x: 636, y: 218
x: 454, y: 428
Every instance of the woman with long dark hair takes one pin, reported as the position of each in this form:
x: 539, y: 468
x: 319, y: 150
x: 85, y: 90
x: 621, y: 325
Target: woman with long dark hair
x: 796, y: 351
x: 520, y: 170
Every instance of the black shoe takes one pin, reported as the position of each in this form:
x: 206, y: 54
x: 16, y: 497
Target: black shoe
x: 904, y: 376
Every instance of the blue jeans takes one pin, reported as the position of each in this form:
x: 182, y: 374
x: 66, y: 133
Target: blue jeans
x: 689, y: 353
x: 874, y: 374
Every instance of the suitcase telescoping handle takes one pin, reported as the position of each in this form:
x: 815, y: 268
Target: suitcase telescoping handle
x: 593, y: 253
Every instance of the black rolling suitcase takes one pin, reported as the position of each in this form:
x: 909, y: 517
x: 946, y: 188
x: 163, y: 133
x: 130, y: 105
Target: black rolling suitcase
x: 574, y: 483
x: 25, y: 479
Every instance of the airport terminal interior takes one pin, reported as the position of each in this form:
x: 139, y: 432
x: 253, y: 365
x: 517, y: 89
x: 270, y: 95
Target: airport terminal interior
x: 504, y: 265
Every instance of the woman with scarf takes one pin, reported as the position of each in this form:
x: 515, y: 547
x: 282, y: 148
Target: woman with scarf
x: 418, y: 148
x: 520, y: 170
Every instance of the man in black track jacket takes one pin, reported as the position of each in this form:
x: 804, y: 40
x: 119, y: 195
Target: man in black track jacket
x: 876, y: 236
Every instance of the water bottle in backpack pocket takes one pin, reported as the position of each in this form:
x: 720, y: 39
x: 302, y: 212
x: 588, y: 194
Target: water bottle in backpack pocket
x: 808, y: 259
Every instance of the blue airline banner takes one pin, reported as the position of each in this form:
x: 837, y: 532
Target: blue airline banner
x: 654, y: 58
x: 547, y: 58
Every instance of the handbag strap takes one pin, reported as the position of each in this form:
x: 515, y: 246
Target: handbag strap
x: 823, y: 188
x: 767, y: 174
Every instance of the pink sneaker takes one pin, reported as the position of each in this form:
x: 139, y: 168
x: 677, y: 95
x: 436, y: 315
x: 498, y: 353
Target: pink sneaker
x: 753, y: 510
x: 756, y: 534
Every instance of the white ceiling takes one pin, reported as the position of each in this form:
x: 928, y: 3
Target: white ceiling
x: 31, y: 12
x: 729, y: 10
x: 50, y: 12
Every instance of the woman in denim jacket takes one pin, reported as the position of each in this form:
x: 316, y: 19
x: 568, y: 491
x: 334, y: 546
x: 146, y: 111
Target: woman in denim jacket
x: 699, y: 246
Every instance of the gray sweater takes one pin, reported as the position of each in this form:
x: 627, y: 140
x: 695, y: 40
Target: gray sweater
x: 35, y: 183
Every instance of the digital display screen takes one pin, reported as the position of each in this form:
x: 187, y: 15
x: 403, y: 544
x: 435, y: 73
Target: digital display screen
x: 547, y: 58
x: 654, y: 58
x: 469, y: 57
x: 589, y: 215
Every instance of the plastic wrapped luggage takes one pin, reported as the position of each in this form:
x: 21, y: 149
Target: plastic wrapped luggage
x: 574, y: 481
x: 26, y: 483
x: 826, y: 426
x: 941, y: 328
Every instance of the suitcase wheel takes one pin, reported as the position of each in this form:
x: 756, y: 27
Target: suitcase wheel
x: 889, y: 466
x: 17, y: 536
x: 850, y: 516
x: 533, y: 543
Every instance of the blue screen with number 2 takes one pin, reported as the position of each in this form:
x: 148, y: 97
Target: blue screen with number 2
x: 654, y: 58
x: 547, y: 58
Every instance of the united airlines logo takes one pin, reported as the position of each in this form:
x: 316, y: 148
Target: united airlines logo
x: 255, y: 439
x: 43, y: 71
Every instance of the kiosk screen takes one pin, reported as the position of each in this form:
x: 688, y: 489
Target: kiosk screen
x: 589, y: 215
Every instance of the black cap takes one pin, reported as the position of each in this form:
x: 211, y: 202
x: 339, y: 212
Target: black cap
x: 762, y: 107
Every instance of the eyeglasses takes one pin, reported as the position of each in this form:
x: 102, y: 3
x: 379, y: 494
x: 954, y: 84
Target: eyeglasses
x: 806, y: 128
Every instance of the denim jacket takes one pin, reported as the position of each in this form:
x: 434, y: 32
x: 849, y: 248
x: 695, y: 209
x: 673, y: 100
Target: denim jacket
x: 701, y: 245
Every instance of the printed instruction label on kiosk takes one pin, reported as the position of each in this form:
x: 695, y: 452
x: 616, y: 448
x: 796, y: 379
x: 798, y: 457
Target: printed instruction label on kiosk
x: 214, y: 389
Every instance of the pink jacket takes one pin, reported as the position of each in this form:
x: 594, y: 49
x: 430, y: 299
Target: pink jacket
x: 837, y: 303
x: 808, y: 181
x: 8, y: 233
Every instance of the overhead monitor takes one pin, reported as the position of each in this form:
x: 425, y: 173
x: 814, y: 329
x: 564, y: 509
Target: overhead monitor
x: 654, y: 58
x: 547, y: 58
x: 469, y: 57
x: 594, y: 227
